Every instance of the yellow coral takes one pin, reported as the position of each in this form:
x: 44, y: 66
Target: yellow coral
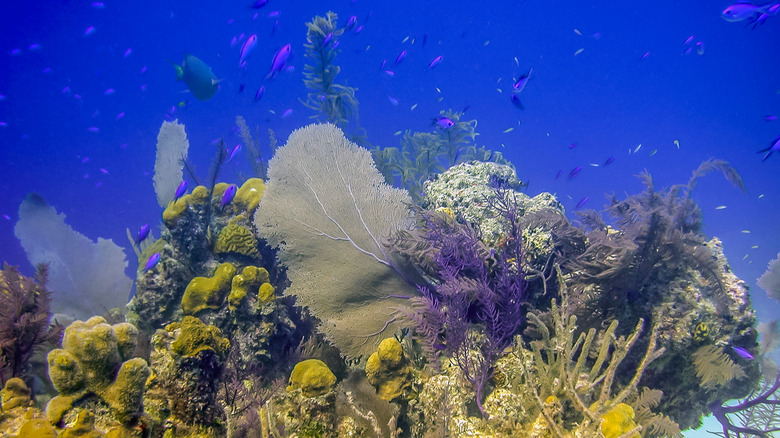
x: 176, y: 208
x: 266, y: 293
x: 312, y: 377
x: 15, y: 394
x: 236, y: 239
x: 388, y: 370
x: 207, y: 292
x: 702, y: 332
x: 618, y: 421
x: 195, y: 336
x: 249, y: 195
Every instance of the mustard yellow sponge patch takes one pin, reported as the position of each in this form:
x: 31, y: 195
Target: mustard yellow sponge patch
x: 207, y: 292
x: 195, y: 336
x: 388, y: 370
x: 618, y: 421
x: 250, y: 193
x: 312, y: 377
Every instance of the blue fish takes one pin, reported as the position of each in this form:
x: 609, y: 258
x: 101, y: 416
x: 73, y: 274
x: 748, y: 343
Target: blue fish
x: 280, y: 60
x: 152, y: 262
x: 521, y: 82
x: 773, y: 147
x: 753, y: 14
x: 228, y: 196
x: 143, y: 233
x: 516, y: 101
x: 743, y: 353
x: 197, y: 76
x: 246, y: 48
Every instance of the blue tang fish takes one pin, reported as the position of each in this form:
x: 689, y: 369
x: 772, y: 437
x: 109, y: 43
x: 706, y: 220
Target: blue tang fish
x: 197, y: 76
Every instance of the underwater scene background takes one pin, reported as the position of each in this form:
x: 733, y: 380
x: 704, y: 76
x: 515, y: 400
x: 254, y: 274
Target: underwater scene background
x: 652, y: 102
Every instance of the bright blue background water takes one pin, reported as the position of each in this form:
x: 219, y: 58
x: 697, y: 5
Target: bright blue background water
x: 607, y: 99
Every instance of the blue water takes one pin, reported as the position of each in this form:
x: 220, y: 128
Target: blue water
x: 607, y: 77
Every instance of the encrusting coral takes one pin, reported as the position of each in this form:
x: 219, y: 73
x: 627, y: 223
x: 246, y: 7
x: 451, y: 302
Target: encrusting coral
x: 207, y: 292
x: 389, y: 370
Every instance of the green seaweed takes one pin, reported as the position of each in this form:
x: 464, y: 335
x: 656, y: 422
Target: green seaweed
x: 423, y: 154
x: 333, y: 102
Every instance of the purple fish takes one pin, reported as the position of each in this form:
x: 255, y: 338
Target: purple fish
x: 358, y: 29
x: 241, y: 87
x: 609, y: 160
x: 234, y: 152
x: 258, y: 4
x: 574, y: 172
x: 436, y: 61
x: 401, y: 56
x: 119, y: 116
x: 246, y: 48
x: 443, y: 122
x: 143, y: 233
x: 573, y: 145
x: 260, y: 92
x: 521, y: 82
x: 558, y: 175
x: 581, y: 203
x: 751, y: 13
x: 128, y: 52
x: 351, y: 22
x: 180, y: 191
x: 770, y: 118
x: 393, y: 100
x: 228, y: 196
x: 152, y: 262
x: 773, y: 147
x: 389, y: 73
x: 327, y: 39
x: 742, y: 353
x: 89, y: 31
x: 516, y: 101
x: 280, y: 59
x: 287, y: 113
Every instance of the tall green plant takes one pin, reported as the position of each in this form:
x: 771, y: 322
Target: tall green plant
x: 333, y: 102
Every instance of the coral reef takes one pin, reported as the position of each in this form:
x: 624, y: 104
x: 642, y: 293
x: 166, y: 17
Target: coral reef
x: 95, y: 371
x: 312, y: 377
x: 187, y: 361
x: 207, y: 292
x: 388, y: 370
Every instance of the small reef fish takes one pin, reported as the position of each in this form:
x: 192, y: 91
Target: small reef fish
x: 279, y: 60
x: 521, y: 82
x: 351, y: 22
x: 721, y: 207
x: 143, y: 233
x: 260, y: 92
x: 258, y: 4
x: 401, y: 56
x: 773, y: 147
x: 436, y: 61
x: 152, y: 261
x: 677, y: 143
x: 581, y: 203
x: 770, y: 118
x: 228, y: 196
x: 197, y: 76
x: 328, y: 38
x: 508, y: 130
x: 246, y: 48
x: 234, y: 152
x: 574, y: 172
x: 609, y: 161
x: 743, y: 353
x: 443, y: 122
x: 516, y: 101
x: 180, y: 191
x: 753, y: 14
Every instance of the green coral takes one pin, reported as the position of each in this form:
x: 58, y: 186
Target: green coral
x: 207, y: 292
x: 236, y: 239
x: 95, y: 361
x: 312, y: 377
x: 389, y: 370
x: 196, y: 336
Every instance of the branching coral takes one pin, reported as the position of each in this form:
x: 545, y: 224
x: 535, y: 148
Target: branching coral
x: 24, y: 320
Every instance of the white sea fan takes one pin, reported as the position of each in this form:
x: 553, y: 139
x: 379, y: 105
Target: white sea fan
x: 172, y: 149
x: 327, y: 208
x: 770, y: 281
x: 86, y: 278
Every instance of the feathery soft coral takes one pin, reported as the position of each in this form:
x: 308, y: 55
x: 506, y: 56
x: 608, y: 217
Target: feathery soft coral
x: 24, y: 319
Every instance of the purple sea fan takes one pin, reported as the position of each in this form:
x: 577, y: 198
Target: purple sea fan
x: 24, y: 319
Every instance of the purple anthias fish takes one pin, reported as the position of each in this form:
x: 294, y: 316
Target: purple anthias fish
x: 753, y: 14
x: 401, y: 56
x: 436, y: 61
x: 228, y: 196
x: 327, y: 40
x: 609, y: 160
x: 521, y: 82
x: 247, y: 47
x: 258, y: 4
x: 234, y: 152
x: 143, y: 233
x: 351, y: 22
x: 260, y: 92
x: 574, y: 172
x: 581, y: 203
x: 443, y: 122
x: 280, y: 60
x: 180, y: 191
x: 743, y: 353
x: 152, y: 261
x: 773, y: 147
